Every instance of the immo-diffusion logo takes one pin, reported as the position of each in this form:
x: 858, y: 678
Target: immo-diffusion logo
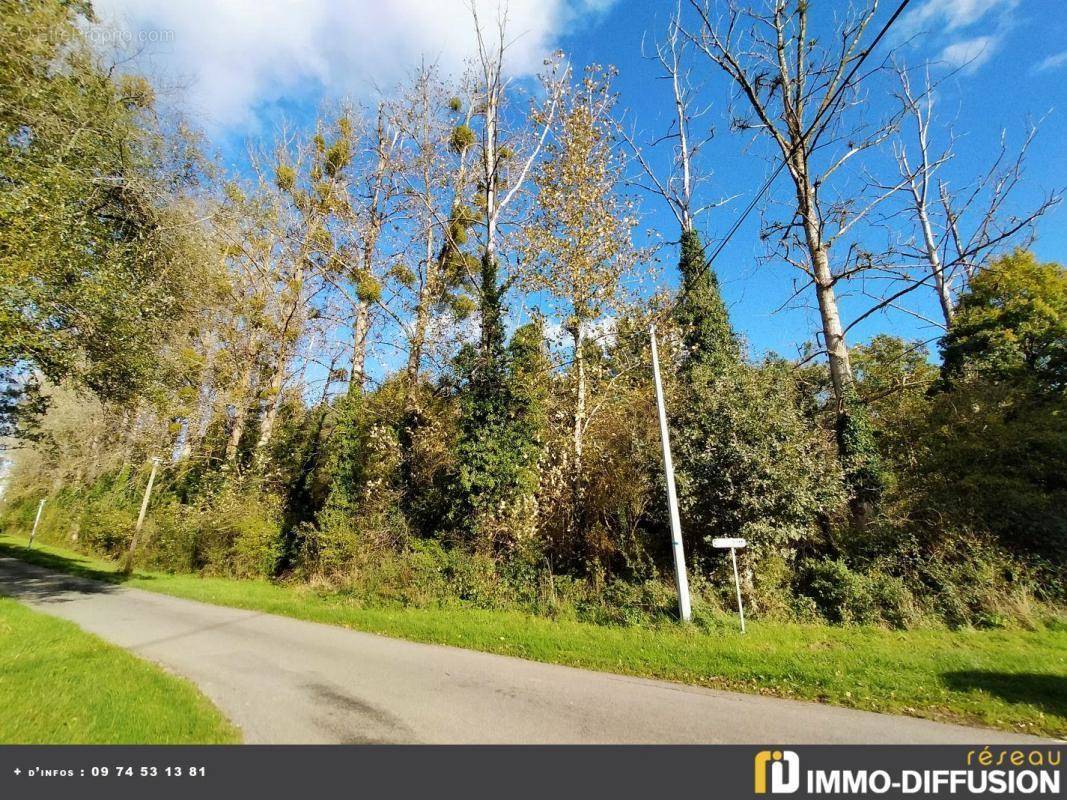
x: 784, y: 767
x: 1010, y: 771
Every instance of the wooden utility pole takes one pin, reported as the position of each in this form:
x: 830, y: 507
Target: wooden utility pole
x: 127, y: 567
x: 36, y: 522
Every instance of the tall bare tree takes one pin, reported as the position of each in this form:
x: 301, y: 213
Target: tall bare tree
x: 370, y: 205
x: 801, y: 92
x: 505, y: 164
x: 247, y: 229
x: 434, y: 160
x: 677, y: 185
x: 958, y: 227
x: 299, y: 192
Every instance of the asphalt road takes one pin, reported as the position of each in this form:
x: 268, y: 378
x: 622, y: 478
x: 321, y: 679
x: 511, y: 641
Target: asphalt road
x: 287, y: 681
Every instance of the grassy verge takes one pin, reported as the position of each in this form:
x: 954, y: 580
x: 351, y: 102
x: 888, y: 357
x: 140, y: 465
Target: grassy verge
x: 60, y: 685
x: 1009, y: 679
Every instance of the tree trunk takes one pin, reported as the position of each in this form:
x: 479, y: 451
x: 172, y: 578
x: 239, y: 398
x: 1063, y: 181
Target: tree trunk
x: 197, y: 422
x: 125, y: 437
x: 422, y: 309
x: 277, y: 381
x: 360, y: 329
x: 833, y: 333
x: 240, y: 414
x: 361, y: 323
x: 941, y: 281
x: 832, y: 330
x: 490, y: 174
x: 270, y: 416
x: 579, y: 406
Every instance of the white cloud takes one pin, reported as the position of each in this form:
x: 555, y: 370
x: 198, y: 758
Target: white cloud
x: 952, y: 15
x: 970, y: 54
x: 968, y: 32
x: 239, y: 54
x: 1054, y: 61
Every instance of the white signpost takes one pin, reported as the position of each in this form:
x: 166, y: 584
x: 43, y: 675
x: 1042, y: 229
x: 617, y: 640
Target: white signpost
x: 733, y: 544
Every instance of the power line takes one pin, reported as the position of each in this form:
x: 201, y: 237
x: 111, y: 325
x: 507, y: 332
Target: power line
x: 670, y: 308
x: 803, y: 138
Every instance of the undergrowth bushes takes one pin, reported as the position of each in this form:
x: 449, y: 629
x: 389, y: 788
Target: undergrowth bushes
x: 232, y: 531
x: 235, y: 530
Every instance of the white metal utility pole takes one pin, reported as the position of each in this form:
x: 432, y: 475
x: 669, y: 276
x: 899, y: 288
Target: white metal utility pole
x: 36, y: 522
x: 128, y: 567
x: 685, y: 612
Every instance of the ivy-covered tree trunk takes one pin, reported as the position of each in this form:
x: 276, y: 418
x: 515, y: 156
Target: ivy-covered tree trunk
x: 707, y: 338
x: 749, y: 462
x: 500, y: 426
x: 491, y: 295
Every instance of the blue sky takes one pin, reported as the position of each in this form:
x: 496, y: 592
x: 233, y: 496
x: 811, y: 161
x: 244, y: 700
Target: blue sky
x: 245, y: 65
x: 1004, y: 86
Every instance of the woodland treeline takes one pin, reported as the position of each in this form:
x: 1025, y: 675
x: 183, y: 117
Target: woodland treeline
x: 405, y: 355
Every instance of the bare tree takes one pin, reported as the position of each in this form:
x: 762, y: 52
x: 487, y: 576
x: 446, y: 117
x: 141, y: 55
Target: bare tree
x: 367, y: 214
x: 245, y: 227
x: 958, y: 229
x: 801, y: 94
x: 679, y: 184
x: 298, y: 197
x: 500, y: 184
x: 434, y: 162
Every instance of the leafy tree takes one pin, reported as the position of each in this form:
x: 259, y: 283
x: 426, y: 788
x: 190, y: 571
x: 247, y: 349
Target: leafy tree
x: 500, y: 429
x: 88, y: 290
x: 991, y: 460
x: 1012, y: 324
x: 893, y: 378
x: 991, y: 453
x: 579, y: 242
x: 750, y: 463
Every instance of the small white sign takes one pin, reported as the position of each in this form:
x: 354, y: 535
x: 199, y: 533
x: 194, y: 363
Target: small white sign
x: 728, y: 543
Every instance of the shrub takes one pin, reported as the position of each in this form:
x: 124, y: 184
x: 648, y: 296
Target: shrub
x: 105, y: 528
x: 839, y: 594
x: 171, y: 540
x: 239, y: 531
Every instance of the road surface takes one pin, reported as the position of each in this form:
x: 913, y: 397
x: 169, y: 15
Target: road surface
x: 288, y: 681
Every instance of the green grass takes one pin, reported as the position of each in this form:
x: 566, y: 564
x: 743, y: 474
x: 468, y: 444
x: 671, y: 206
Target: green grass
x: 60, y: 685
x: 1009, y: 678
